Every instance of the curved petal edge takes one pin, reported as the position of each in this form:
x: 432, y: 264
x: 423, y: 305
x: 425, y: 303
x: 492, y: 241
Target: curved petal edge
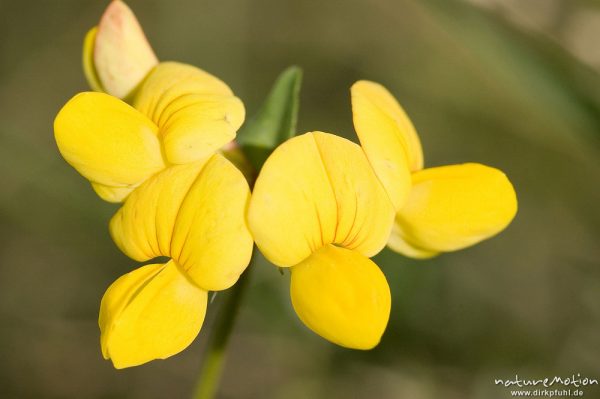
x: 342, y: 296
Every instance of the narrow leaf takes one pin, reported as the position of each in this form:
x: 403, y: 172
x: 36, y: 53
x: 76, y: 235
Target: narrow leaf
x: 275, y: 122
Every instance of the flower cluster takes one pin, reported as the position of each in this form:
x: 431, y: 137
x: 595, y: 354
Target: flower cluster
x: 157, y: 152
x: 150, y: 137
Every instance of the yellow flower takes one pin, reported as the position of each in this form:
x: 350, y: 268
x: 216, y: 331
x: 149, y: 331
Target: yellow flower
x: 445, y: 208
x: 194, y: 214
x: 174, y: 114
x: 180, y: 114
x: 183, y: 200
x: 318, y: 208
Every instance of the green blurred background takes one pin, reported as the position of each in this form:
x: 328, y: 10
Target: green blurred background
x: 512, y: 84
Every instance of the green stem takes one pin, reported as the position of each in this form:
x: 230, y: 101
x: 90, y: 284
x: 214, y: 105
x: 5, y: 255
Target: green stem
x: 214, y: 359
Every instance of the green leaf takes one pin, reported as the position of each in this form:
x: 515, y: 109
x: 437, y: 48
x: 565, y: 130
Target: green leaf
x: 275, y: 121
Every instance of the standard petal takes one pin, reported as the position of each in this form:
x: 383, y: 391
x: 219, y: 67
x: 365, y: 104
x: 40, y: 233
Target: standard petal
x: 151, y: 313
x: 292, y: 210
x: 387, y: 137
x: 453, y: 207
x: 342, y: 296
x: 194, y: 213
x: 143, y: 227
x: 364, y: 213
x: 108, y: 141
x: 196, y: 112
x: 317, y: 189
x: 211, y: 240
x: 122, y: 55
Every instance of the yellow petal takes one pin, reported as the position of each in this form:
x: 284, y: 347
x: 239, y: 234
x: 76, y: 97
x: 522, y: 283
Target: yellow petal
x: 387, y: 137
x: 453, y: 207
x: 89, y: 69
x: 122, y: 55
x: 151, y: 313
x: 194, y: 213
x: 342, y: 296
x: 363, y: 211
x: 292, y: 210
x: 112, y: 194
x: 316, y: 189
x: 108, y: 141
x: 196, y: 112
x: 397, y: 242
x: 143, y: 227
x: 211, y: 240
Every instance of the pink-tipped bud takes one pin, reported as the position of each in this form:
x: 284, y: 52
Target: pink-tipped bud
x: 122, y: 55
